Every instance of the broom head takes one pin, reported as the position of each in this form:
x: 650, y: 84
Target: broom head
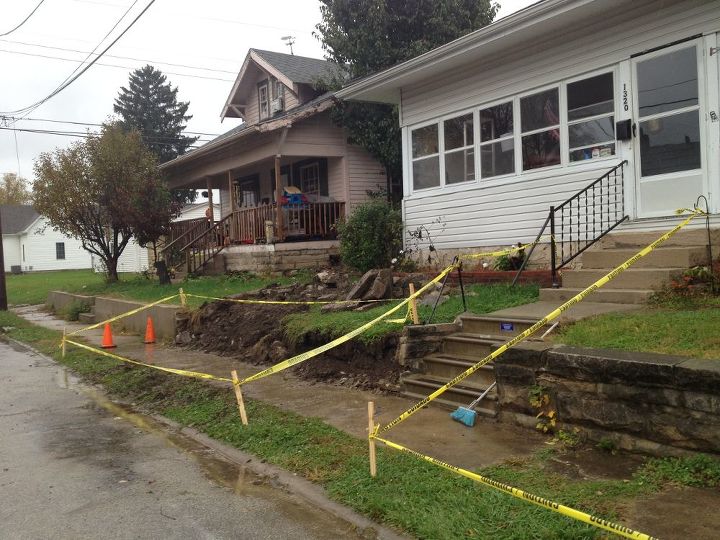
x: 464, y: 416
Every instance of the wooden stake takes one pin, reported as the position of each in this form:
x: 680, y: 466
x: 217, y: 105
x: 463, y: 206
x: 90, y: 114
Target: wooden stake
x: 64, y: 345
x: 413, y: 305
x: 239, y: 396
x: 371, y: 441
x: 183, y: 298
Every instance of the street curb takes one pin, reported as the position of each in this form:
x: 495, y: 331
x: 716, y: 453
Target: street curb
x: 293, y: 484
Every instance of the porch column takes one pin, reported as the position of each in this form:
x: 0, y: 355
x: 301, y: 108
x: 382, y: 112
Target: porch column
x: 211, y: 214
x: 278, y: 196
x: 234, y: 233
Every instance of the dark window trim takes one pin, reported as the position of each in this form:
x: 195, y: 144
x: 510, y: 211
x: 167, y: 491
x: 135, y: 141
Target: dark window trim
x: 60, y: 250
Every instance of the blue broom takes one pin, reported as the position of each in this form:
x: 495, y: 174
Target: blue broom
x: 467, y: 415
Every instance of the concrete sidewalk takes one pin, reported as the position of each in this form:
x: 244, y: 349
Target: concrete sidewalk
x: 430, y: 431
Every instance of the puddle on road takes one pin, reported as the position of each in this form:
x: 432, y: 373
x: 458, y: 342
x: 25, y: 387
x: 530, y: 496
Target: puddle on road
x: 221, y: 471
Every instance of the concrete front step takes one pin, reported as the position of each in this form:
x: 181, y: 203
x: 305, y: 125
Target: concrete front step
x: 632, y: 278
x: 603, y: 295
x: 86, y: 318
x: 664, y: 257
x: 687, y: 237
x: 469, y: 345
x: 503, y: 327
x: 419, y: 386
x: 449, y: 366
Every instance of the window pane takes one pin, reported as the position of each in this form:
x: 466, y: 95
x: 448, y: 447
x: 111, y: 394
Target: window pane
x: 459, y: 132
x: 425, y: 141
x: 426, y: 173
x: 668, y: 82
x: 592, y: 132
x: 541, y: 149
x: 459, y: 166
x: 590, y: 97
x: 670, y: 144
x: 599, y: 151
x: 497, y: 158
x: 496, y: 122
x: 540, y: 110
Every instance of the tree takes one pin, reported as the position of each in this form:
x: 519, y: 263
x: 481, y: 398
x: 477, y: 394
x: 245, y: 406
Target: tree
x: 14, y: 190
x: 104, y: 191
x: 149, y: 104
x: 365, y: 36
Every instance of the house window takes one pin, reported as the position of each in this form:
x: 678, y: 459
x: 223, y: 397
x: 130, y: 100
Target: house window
x: 591, y: 122
x: 459, y: 149
x: 264, y: 101
x: 497, y: 142
x: 310, y: 179
x: 278, y: 89
x: 60, y: 250
x: 540, y: 124
x: 23, y: 247
x: 425, y: 157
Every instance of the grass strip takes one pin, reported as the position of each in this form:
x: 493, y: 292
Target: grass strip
x: 414, y: 496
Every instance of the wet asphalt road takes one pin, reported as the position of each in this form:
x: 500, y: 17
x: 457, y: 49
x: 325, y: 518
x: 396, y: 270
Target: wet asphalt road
x: 75, y: 466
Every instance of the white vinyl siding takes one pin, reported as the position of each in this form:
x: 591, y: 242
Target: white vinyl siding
x: 364, y: 174
x: 11, y: 251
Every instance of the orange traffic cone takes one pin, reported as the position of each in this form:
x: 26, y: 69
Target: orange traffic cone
x: 107, y: 342
x: 149, y: 332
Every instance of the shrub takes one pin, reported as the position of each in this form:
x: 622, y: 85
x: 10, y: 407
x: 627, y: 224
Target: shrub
x: 72, y: 311
x: 371, y: 236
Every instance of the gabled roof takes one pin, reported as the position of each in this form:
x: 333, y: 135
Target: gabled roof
x: 17, y: 217
x: 290, y: 70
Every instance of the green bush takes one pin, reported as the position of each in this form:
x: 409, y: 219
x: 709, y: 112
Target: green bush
x: 72, y: 311
x: 372, y: 236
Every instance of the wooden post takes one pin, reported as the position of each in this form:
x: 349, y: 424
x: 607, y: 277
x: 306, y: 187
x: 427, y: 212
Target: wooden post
x: 183, y: 298
x: 413, y: 305
x: 64, y: 345
x: 233, y: 229
x: 278, y: 195
x: 239, y: 396
x: 210, y: 202
x: 371, y: 441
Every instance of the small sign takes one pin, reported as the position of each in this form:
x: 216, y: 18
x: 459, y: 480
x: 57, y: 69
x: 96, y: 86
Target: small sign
x: 507, y: 327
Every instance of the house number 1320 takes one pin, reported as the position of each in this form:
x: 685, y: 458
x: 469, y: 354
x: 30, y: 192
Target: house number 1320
x: 625, y: 98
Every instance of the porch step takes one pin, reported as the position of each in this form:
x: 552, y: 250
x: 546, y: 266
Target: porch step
x: 419, y: 386
x: 632, y: 278
x: 503, y: 327
x: 448, y: 367
x: 664, y: 257
x: 469, y: 345
x: 603, y: 295
x: 86, y: 318
x: 683, y: 238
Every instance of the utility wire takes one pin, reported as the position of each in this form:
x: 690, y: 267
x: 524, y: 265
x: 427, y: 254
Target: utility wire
x: 35, y: 105
x: 119, y: 57
x: 95, y: 124
x: 85, y: 135
x: 24, y: 20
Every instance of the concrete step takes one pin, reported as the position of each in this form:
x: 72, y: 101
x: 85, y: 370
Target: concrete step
x: 665, y: 257
x: 419, y: 386
x: 469, y: 345
x: 632, y: 278
x: 86, y: 318
x: 617, y: 296
x: 450, y: 366
x: 687, y: 237
x: 504, y: 327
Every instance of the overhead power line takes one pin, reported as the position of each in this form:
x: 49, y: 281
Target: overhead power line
x: 87, y: 66
x: 96, y: 124
x: 83, y: 135
x: 24, y: 20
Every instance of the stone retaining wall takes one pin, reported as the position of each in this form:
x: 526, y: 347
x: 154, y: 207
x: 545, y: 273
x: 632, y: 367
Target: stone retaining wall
x: 416, y: 342
x: 263, y: 259
x: 651, y: 403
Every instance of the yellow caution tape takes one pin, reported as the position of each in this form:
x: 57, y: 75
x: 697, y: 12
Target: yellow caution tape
x: 183, y: 372
x: 292, y: 302
x: 122, y: 315
x: 500, y: 253
x: 525, y: 496
x: 347, y: 337
x: 538, y: 325
x: 407, y: 316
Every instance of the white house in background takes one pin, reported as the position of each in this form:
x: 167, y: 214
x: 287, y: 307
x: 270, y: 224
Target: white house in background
x: 504, y: 122
x: 30, y: 244
x: 197, y: 211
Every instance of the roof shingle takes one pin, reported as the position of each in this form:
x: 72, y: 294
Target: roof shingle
x: 299, y: 69
x: 16, y: 217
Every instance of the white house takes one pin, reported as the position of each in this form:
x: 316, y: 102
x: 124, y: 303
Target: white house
x: 503, y: 123
x: 197, y: 211
x: 30, y: 244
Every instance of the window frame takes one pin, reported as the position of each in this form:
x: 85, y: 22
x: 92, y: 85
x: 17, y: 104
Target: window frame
x: 559, y: 126
x: 60, y: 250
x: 473, y: 147
x: 301, y: 168
x: 266, y: 86
x: 514, y: 101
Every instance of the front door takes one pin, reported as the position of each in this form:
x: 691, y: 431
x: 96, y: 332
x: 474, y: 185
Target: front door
x: 669, y: 129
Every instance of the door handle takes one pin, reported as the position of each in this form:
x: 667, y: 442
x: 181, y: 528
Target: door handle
x: 634, y: 129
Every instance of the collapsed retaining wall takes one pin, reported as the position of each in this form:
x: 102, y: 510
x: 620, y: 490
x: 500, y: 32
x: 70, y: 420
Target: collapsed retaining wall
x: 281, y: 257
x: 650, y: 403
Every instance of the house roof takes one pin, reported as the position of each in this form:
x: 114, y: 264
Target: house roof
x: 286, y: 119
x: 17, y: 217
x: 543, y: 18
x: 298, y: 69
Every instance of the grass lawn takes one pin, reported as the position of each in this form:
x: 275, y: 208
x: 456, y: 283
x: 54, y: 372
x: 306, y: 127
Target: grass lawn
x: 414, y: 496
x: 678, y: 326
x: 480, y: 299
x: 33, y: 287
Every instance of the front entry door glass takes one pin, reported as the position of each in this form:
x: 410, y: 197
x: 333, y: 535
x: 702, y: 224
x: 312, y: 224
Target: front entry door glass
x: 668, y: 102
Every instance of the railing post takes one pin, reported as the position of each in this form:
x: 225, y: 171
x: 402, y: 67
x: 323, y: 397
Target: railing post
x: 462, y: 288
x: 553, y: 255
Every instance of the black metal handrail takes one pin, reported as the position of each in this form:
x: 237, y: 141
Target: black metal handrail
x: 586, y: 217
x: 442, y: 287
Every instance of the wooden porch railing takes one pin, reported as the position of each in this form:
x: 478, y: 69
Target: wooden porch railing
x: 202, y: 249
x: 179, y: 228
x: 311, y: 220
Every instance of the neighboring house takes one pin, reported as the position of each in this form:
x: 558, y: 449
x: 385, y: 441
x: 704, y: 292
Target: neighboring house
x: 504, y: 122
x: 287, y: 139
x: 197, y: 211
x: 30, y: 244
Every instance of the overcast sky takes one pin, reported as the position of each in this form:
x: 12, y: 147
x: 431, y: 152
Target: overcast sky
x: 205, y: 40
